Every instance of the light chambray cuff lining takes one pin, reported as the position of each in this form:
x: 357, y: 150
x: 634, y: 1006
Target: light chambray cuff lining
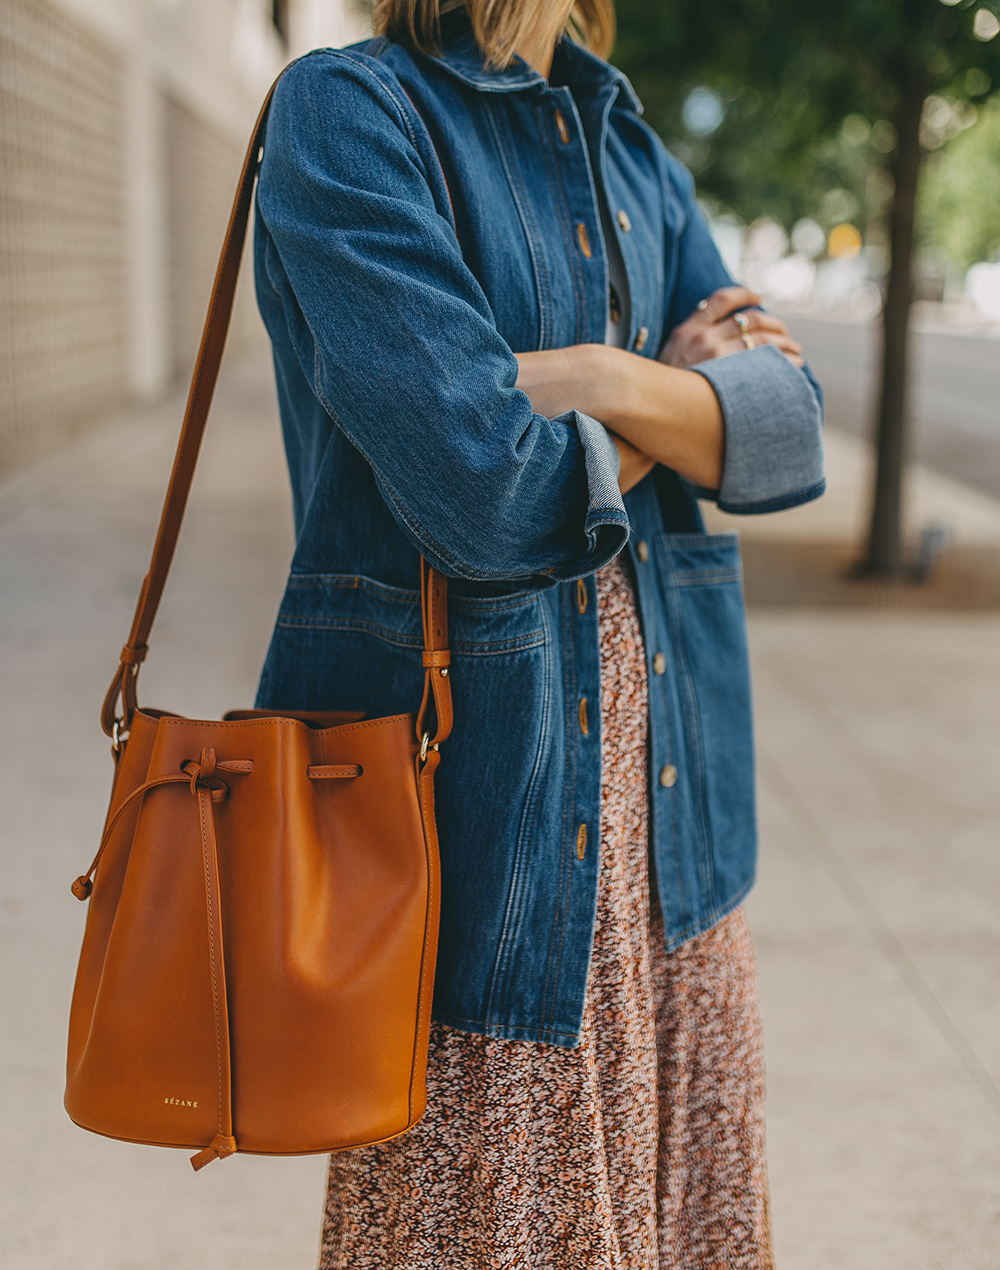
x: 774, y: 441
x: 607, y: 523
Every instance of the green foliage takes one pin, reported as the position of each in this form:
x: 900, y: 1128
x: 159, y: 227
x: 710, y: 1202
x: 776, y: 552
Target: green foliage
x: 808, y: 87
x: 959, y: 211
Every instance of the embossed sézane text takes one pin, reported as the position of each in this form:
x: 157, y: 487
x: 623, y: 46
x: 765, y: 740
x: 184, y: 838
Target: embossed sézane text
x: 180, y: 1102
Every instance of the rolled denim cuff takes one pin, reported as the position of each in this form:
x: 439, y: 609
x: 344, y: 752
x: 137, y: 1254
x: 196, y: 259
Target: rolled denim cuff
x: 607, y: 524
x: 774, y: 432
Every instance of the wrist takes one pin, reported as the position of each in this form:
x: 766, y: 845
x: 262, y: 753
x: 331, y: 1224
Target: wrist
x: 606, y: 375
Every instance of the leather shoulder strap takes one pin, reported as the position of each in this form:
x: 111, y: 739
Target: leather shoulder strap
x: 203, y: 381
x: 206, y: 373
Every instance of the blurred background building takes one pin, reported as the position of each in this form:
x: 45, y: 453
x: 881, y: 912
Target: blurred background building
x: 122, y: 127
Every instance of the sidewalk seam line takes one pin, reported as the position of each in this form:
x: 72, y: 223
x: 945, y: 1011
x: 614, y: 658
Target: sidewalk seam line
x: 840, y: 873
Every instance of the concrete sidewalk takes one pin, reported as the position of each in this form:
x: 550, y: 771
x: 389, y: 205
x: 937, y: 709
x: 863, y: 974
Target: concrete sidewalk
x: 877, y: 918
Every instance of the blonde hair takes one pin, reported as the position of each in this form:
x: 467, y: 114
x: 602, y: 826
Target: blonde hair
x: 499, y: 26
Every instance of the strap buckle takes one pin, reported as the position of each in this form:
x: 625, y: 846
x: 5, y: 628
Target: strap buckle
x: 119, y: 735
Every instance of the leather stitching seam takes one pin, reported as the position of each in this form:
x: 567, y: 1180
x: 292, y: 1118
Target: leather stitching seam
x: 211, y: 945
x: 298, y: 723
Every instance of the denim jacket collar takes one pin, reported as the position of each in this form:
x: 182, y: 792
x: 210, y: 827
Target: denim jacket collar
x: 573, y: 66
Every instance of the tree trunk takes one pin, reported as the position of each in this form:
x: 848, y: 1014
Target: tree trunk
x: 885, y: 544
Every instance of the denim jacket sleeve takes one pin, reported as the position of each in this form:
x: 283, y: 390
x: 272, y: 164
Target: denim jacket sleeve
x: 399, y: 344
x: 773, y: 411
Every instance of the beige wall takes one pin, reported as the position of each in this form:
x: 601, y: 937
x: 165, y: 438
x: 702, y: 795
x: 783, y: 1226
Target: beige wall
x: 63, y: 265
x: 202, y: 167
x: 122, y: 128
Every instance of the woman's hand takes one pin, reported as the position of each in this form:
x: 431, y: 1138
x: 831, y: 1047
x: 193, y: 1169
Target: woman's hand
x: 719, y: 327
x: 664, y: 415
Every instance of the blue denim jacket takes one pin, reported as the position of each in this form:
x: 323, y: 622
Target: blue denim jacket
x: 419, y: 220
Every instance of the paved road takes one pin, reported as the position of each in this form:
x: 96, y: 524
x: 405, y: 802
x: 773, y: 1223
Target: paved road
x: 955, y: 406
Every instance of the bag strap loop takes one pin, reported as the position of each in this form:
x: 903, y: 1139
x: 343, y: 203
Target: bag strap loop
x: 434, y: 586
x: 437, y: 659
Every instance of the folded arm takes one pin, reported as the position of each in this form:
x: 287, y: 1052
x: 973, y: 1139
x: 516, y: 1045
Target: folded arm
x: 398, y: 342
x: 745, y: 432
x: 668, y: 415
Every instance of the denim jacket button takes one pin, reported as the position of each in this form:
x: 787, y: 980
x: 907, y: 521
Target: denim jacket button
x: 584, y: 725
x: 561, y: 128
x: 668, y: 776
x: 641, y: 338
x: 659, y: 663
x: 642, y: 551
x: 624, y: 221
x: 581, y: 595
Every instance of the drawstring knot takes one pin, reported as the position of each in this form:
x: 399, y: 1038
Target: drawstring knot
x: 203, y: 776
x: 200, y: 776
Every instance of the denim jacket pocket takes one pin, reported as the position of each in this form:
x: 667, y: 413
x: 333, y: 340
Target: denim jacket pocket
x: 344, y: 634
x: 702, y: 579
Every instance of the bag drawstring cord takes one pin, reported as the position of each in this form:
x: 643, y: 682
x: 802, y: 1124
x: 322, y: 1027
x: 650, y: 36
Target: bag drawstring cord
x: 208, y: 788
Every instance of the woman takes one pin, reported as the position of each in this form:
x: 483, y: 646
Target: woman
x: 466, y: 257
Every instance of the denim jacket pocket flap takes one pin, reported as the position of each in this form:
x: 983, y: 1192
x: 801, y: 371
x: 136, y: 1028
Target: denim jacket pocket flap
x: 350, y: 602
x: 700, y: 559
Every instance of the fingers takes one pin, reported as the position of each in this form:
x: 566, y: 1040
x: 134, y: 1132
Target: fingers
x: 721, y: 303
x: 757, y: 321
x: 759, y: 329
x: 727, y: 305
x: 723, y: 325
x: 785, y: 343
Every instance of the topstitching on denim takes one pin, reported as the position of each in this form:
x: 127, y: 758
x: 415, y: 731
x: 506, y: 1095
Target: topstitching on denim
x: 508, y: 941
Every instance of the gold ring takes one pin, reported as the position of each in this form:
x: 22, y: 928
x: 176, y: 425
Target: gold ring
x: 742, y: 321
x: 748, y: 341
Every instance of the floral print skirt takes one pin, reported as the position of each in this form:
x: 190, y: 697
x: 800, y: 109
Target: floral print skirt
x: 644, y: 1147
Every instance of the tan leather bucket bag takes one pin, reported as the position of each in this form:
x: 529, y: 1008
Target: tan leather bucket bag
x: 258, y: 963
